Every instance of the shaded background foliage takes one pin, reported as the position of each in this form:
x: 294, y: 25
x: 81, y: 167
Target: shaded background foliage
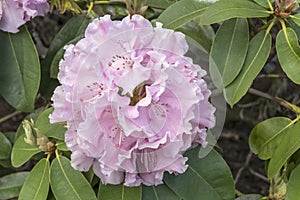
x: 268, y: 71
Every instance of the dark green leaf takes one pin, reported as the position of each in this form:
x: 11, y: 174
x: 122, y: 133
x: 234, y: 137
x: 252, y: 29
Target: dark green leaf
x: 68, y: 183
x: 203, y: 35
x: 160, y: 192
x: 293, y: 191
x: 160, y: 4
x: 228, y: 51
x: 227, y: 9
x: 257, y: 55
x: 288, y: 51
x: 56, y: 130
x: 266, y: 136
x: 119, y: 192
x: 10, y: 185
x: 208, y: 178
x: 5, y: 147
x: 287, y: 146
x: 11, y: 136
x: 36, y: 185
x: 20, y: 69
x: 74, y: 28
x: 250, y: 197
x: 22, y: 152
x: 296, y: 18
x: 263, y: 3
x: 182, y: 12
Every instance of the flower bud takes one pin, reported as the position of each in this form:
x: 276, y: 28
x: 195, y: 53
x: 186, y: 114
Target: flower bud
x: 30, y: 132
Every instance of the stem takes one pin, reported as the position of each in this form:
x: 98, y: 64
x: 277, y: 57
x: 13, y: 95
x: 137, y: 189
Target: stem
x: 7, y: 117
x: 272, y: 98
x: 270, y: 5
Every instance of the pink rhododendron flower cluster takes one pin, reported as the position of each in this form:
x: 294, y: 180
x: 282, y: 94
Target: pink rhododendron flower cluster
x: 14, y: 13
x: 133, y: 102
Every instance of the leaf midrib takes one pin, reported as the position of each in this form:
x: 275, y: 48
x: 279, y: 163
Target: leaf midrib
x: 67, y: 178
x: 41, y: 180
x: 247, y: 71
x: 194, y: 13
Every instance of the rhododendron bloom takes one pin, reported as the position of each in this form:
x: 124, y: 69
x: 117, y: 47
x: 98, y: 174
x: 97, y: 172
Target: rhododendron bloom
x: 14, y: 13
x: 133, y: 102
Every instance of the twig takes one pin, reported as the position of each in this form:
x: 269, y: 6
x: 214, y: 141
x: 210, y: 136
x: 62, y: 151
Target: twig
x: 270, y: 97
x: 237, y: 177
x: 259, y: 175
x: 7, y: 117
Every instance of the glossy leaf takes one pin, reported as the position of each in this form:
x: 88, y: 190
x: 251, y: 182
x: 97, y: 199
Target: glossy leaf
x: 203, y: 35
x: 5, y: 147
x: 288, y: 51
x: 250, y: 197
x: 61, y: 146
x: 296, y: 19
x: 56, y: 130
x: 227, y: 9
x: 36, y: 185
x: 265, y: 136
x: 263, y: 3
x: 74, y: 28
x: 119, y: 192
x: 208, y: 178
x: 228, y: 51
x: 257, y: 55
x: 287, y: 146
x: 68, y: 183
x: 182, y: 12
x: 160, y: 192
x: 20, y: 69
x: 10, y: 185
x: 293, y: 191
x: 22, y: 152
x: 160, y: 4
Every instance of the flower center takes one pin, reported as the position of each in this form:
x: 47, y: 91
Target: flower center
x: 120, y: 62
x: 138, y: 93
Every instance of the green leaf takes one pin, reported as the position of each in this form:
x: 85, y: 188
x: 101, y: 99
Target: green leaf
x: 250, y: 197
x: 68, y: 183
x: 203, y: 35
x: 62, y: 146
x: 208, y: 178
x: 265, y: 136
x: 296, y: 18
x: 227, y: 9
x: 160, y: 4
x: 119, y: 192
x: 10, y: 185
x: 288, y: 51
x: 36, y: 185
x: 72, y: 31
x: 181, y: 13
x: 257, y: 55
x: 287, y: 146
x: 20, y: 69
x: 263, y: 3
x: 22, y: 152
x: 74, y: 28
x: 229, y: 51
x: 56, y: 130
x: 293, y: 191
x: 5, y: 147
x: 295, y: 27
x: 160, y: 192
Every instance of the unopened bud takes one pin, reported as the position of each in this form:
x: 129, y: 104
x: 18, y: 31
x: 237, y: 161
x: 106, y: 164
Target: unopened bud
x: 287, y: 7
x: 29, y: 132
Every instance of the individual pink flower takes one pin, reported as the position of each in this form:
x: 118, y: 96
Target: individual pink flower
x: 14, y: 13
x: 133, y: 102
